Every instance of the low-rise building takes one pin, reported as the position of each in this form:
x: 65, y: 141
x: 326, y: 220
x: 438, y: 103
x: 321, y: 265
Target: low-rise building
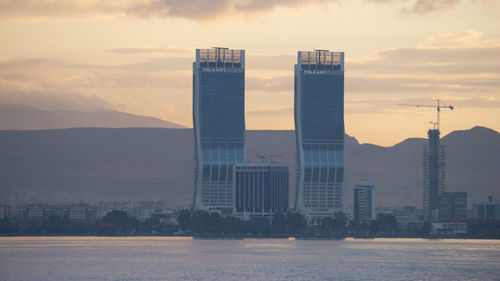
x: 487, y: 210
x: 452, y: 206
x: 364, y: 206
x: 260, y: 188
x: 449, y: 228
x: 5, y: 211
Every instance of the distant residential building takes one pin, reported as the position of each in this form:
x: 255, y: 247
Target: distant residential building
x: 364, y: 207
x: 452, y: 206
x: 319, y: 128
x: 408, y: 214
x: 261, y: 189
x: 5, y: 211
x: 105, y: 207
x: 218, y: 124
x: 404, y: 214
x: 142, y: 210
x: 487, y: 210
x: 77, y: 213
x: 35, y: 211
x: 449, y: 228
x: 44, y: 211
x: 82, y: 212
x: 434, y: 174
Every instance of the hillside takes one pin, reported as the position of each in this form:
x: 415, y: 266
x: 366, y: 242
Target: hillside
x: 21, y: 117
x: 97, y: 164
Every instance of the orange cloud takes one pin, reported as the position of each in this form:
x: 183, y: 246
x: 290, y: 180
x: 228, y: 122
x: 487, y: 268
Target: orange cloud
x: 427, y: 6
x: 191, y: 9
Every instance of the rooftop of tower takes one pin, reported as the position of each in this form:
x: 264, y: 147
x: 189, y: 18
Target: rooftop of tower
x: 220, y: 55
x: 321, y: 57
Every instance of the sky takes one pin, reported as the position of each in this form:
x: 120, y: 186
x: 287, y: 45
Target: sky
x: 136, y: 56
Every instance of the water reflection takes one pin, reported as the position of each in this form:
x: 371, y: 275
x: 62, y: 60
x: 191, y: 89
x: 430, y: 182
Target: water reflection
x: 184, y: 258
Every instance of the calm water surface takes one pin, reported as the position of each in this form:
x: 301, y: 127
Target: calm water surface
x: 175, y: 258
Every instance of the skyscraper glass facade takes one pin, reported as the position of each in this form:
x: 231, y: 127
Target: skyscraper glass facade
x: 219, y: 125
x: 319, y: 126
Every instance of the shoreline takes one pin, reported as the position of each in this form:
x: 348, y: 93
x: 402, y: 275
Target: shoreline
x: 242, y: 237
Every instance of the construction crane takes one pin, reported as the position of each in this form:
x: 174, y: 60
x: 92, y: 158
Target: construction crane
x: 438, y: 107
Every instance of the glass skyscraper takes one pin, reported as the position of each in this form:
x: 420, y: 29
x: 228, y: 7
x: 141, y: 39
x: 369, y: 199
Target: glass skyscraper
x: 219, y: 125
x: 319, y: 127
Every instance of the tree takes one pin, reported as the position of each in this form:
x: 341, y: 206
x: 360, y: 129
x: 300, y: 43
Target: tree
x: 385, y: 224
x: 118, y: 222
x: 425, y: 230
x: 259, y: 225
x: 8, y: 226
x: 278, y: 223
x: 326, y: 226
x: 296, y: 223
x: 340, y: 223
x: 184, y: 219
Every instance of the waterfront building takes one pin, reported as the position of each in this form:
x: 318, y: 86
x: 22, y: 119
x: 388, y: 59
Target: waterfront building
x: 219, y: 125
x: 5, y: 211
x: 434, y: 174
x: 487, y: 210
x: 319, y: 127
x: 449, y: 228
x: 404, y: 214
x: 364, y: 207
x: 45, y: 211
x: 261, y: 189
x: 452, y: 206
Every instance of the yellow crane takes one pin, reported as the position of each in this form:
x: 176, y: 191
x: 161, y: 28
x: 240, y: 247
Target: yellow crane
x: 438, y: 107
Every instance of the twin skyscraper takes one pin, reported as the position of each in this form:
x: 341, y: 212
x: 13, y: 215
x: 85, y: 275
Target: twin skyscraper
x: 219, y: 129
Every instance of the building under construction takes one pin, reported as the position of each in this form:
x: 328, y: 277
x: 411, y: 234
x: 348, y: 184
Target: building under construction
x: 434, y: 164
x: 434, y: 175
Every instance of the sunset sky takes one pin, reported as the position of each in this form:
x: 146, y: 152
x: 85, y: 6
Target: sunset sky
x: 136, y: 56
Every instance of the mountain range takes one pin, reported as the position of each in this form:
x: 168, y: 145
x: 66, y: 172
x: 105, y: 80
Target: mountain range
x: 104, y: 164
x: 22, y: 117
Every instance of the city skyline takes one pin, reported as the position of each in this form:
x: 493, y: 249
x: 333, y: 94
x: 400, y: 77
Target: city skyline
x: 249, y: 139
x: 136, y: 58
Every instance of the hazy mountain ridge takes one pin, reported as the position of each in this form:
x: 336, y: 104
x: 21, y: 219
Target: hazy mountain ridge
x: 96, y: 164
x: 21, y: 117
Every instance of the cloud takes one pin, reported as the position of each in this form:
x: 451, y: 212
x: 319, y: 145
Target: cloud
x: 271, y: 111
x: 54, y: 100
x: 51, y: 75
x: 426, y: 6
x: 408, y: 71
x: 270, y: 85
x: 191, y: 9
x: 153, y: 51
x: 462, y: 67
x: 467, y: 39
x: 422, y: 7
